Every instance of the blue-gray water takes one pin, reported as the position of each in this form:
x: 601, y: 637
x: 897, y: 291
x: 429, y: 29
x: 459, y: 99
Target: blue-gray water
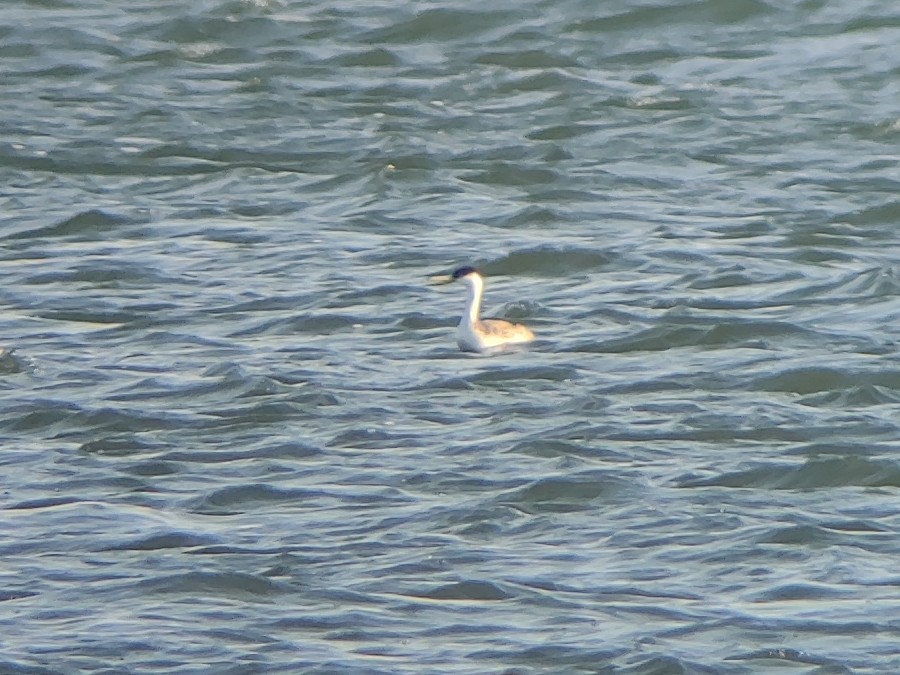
x: 237, y: 435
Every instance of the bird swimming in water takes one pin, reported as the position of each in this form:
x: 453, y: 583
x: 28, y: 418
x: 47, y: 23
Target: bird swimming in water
x: 475, y: 334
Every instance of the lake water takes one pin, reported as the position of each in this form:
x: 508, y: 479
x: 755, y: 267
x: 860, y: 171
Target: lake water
x: 238, y: 436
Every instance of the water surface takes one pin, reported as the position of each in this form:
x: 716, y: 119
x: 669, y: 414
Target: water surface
x: 238, y: 436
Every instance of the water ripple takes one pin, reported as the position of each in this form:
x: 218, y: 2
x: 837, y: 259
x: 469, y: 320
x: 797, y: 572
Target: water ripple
x: 233, y: 412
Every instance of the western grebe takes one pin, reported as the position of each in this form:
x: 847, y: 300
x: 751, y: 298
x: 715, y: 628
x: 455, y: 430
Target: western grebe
x: 475, y: 334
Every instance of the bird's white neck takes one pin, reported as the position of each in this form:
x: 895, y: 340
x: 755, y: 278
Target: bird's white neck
x: 473, y: 304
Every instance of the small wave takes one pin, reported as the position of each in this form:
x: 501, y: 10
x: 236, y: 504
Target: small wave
x: 697, y: 12
x: 791, y: 655
x: 879, y: 215
x: 376, y: 57
x: 862, y: 396
x: 753, y: 334
x: 165, y: 540
x: 549, y: 261
x: 264, y: 449
x: 791, y: 592
x: 468, y: 590
x: 102, y: 273
x: 560, y: 494
x: 89, y: 224
x: 524, y: 374
x: 506, y: 173
x: 440, y: 24
x: 815, y: 379
x: 11, y: 363
x: 814, y: 474
x: 298, y: 324
x: 528, y: 58
x: 238, y: 498
x: 223, y: 584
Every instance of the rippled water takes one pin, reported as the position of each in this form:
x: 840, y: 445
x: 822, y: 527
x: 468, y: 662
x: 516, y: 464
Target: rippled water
x: 238, y: 436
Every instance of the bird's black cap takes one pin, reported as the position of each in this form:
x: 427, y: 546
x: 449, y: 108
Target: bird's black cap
x: 463, y: 271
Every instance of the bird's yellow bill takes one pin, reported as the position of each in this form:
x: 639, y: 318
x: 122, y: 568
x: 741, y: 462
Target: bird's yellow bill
x: 440, y: 279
